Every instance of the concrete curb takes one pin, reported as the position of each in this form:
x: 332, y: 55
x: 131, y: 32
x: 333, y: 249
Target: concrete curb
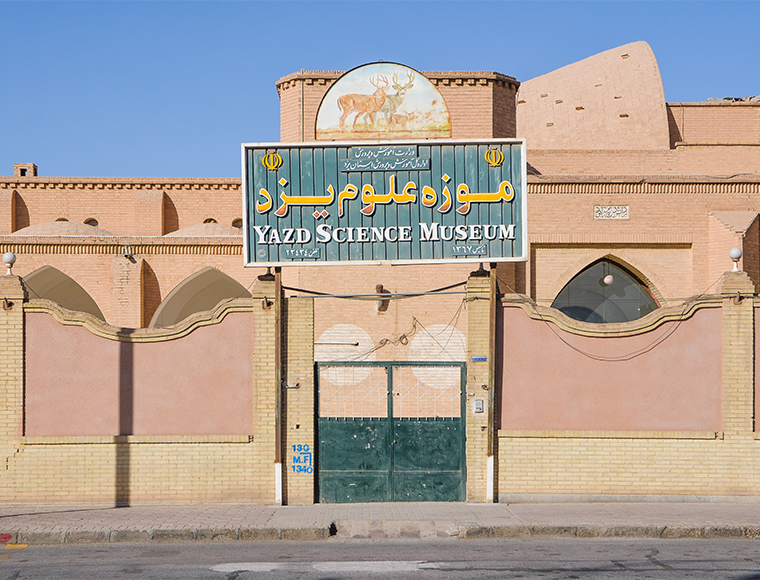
x: 169, y: 535
x: 308, y: 534
x: 591, y: 531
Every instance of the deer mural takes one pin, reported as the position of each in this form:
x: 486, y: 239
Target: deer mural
x: 400, y: 122
x: 393, y: 102
x: 363, y: 105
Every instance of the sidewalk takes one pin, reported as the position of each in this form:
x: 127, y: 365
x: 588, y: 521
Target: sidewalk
x: 163, y: 523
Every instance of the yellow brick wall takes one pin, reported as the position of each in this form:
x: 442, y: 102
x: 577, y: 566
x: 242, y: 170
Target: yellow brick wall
x: 136, y: 470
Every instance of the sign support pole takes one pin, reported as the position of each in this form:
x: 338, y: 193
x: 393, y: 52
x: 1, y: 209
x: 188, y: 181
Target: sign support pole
x: 491, y: 454
x: 278, y: 384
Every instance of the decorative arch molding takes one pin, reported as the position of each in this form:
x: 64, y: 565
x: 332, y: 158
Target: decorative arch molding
x: 642, y: 325
x: 634, y: 266
x: 201, y: 292
x: 117, y: 333
x: 51, y: 284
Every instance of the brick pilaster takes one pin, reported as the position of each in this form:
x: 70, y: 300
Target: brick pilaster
x: 12, y: 295
x: 264, y: 392
x: 298, y: 405
x: 149, y: 212
x: 738, y: 475
x: 738, y: 354
x: 478, y: 355
x: 126, y: 308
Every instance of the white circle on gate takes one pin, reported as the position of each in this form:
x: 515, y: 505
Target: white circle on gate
x: 438, y: 343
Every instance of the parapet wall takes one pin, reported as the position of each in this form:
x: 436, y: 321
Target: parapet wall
x: 714, y: 124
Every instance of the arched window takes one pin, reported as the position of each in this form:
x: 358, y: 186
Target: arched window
x: 605, y: 292
x: 91, y: 222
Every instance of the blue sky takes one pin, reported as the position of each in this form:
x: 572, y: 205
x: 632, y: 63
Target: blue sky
x: 171, y: 89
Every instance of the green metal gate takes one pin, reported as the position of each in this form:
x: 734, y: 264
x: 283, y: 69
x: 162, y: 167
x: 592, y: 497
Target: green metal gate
x: 391, y: 431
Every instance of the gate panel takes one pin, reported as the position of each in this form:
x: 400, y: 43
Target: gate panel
x: 391, y: 432
x: 354, y: 434
x: 428, y: 439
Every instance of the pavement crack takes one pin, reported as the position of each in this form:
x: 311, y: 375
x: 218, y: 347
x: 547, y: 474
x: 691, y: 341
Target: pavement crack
x: 513, y: 514
x: 651, y: 557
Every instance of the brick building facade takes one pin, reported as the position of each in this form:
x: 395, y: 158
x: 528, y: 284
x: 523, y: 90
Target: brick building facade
x: 118, y: 278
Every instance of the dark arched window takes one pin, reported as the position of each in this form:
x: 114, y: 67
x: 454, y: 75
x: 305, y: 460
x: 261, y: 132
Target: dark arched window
x: 605, y: 292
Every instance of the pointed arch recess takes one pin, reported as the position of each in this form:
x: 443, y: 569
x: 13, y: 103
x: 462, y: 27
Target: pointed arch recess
x: 200, y: 292
x: 589, y: 296
x: 52, y: 284
x: 650, y: 280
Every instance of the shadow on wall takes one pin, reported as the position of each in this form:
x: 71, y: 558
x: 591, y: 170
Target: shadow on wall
x: 151, y: 294
x: 126, y: 422
x: 171, y: 217
x: 20, y: 213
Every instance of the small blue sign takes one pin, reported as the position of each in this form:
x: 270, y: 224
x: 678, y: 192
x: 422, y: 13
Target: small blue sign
x: 302, y: 459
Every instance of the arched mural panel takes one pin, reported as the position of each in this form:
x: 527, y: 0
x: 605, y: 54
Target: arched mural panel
x: 382, y: 100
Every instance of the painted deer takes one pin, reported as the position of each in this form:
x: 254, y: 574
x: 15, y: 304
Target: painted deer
x: 363, y: 105
x: 399, y: 122
x: 393, y: 102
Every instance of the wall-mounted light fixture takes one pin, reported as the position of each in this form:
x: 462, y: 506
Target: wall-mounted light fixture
x: 9, y: 258
x: 382, y: 303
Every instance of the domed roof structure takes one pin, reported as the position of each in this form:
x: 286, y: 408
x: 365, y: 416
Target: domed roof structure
x: 209, y: 230
x: 62, y: 229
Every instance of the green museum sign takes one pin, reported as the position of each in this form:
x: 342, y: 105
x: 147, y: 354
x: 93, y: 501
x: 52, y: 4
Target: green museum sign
x: 403, y: 203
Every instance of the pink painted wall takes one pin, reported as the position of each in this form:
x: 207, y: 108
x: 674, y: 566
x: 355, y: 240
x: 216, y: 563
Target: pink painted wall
x: 545, y: 384
x: 80, y: 384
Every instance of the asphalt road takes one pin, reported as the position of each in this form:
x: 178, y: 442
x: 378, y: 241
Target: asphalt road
x: 569, y: 559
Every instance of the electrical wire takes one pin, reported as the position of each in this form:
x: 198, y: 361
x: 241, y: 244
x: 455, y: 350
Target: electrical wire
x: 403, y: 339
x: 389, y: 296
x: 452, y: 324
x: 630, y: 356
